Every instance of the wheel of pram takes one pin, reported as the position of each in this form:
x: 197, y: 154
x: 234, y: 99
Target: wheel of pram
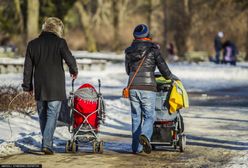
x: 182, y: 143
x: 94, y: 146
x: 68, y: 146
x: 100, y: 147
x: 74, y: 146
x: 97, y: 147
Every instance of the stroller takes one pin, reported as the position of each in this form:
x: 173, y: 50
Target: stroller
x: 87, y: 112
x: 168, y: 128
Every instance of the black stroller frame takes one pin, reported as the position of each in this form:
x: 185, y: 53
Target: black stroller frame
x: 168, y: 131
x: 85, y: 132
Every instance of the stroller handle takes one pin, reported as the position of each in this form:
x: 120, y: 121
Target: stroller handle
x: 99, y: 85
x: 72, y: 85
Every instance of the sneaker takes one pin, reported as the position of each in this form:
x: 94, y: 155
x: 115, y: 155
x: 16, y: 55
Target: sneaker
x: 47, y: 151
x: 138, y: 152
x: 143, y: 140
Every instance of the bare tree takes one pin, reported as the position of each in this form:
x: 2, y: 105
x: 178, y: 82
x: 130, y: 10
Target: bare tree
x: 182, y: 15
x: 33, y: 19
x: 87, y: 18
x: 19, y: 15
x: 166, y: 26
x: 119, y: 11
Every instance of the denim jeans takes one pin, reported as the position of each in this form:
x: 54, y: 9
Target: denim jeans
x: 48, y: 114
x: 143, y: 115
x: 217, y: 57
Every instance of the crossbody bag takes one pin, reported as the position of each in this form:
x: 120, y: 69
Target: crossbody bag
x: 125, y: 91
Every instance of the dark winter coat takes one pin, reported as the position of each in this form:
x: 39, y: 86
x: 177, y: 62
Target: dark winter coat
x: 44, y: 59
x: 145, y: 79
x: 217, y: 44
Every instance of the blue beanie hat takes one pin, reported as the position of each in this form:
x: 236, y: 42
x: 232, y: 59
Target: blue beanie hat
x: 141, y: 31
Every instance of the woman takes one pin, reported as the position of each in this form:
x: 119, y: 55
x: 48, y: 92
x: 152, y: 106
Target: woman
x: 143, y: 87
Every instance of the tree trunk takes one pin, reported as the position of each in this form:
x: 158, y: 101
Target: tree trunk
x: 182, y: 27
x: 149, y: 14
x: 33, y: 19
x: 166, y: 27
x: 246, y: 46
x: 20, y: 24
x: 119, y: 8
x: 21, y: 44
x: 116, y: 23
x: 85, y: 20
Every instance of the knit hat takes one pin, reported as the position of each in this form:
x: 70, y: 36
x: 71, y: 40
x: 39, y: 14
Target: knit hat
x: 141, y: 31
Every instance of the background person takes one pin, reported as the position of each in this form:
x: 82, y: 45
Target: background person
x: 44, y: 58
x: 229, y: 53
x: 143, y: 88
x: 218, y: 46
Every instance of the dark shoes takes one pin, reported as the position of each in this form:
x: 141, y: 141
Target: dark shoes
x: 143, y: 140
x: 47, y: 151
x: 140, y: 152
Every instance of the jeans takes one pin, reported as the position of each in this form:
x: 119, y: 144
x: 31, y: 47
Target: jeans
x: 217, y: 57
x: 143, y: 115
x: 48, y: 114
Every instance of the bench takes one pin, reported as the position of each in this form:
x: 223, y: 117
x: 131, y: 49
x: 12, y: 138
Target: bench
x: 197, y: 56
x: 10, y: 65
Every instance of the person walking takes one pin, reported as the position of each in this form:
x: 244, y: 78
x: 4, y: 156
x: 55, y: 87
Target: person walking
x: 218, y: 46
x: 230, y: 52
x: 44, y: 60
x: 143, y: 86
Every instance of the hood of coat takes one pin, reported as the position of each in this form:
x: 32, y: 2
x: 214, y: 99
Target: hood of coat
x: 136, y: 51
x: 54, y: 25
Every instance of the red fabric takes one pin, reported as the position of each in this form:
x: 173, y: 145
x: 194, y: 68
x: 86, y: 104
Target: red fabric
x: 85, y: 108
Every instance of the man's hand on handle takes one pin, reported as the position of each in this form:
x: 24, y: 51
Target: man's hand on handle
x: 74, y: 76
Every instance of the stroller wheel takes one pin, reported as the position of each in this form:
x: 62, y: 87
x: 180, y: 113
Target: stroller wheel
x: 100, y: 147
x: 182, y: 143
x: 74, y: 146
x: 95, y: 146
x: 68, y: 146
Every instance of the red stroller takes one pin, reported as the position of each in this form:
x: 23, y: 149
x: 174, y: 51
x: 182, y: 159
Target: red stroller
x: 87, y: 111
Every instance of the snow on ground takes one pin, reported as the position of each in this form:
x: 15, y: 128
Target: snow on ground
x: 206, y: 126
x: 196, y: 77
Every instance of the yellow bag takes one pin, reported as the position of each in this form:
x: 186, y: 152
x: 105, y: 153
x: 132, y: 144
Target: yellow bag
x: 178, y: 97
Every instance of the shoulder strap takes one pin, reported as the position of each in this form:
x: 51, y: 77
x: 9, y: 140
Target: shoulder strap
x: 142, y: 61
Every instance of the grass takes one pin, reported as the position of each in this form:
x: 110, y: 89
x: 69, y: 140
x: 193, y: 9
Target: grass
x: 13, y: 99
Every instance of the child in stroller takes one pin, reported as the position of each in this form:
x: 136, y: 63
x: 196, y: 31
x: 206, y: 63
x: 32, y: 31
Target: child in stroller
x: 168, y: 128
x: 86, y: 113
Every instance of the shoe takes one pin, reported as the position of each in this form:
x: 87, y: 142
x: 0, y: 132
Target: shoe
x: 140, y: 152
x: 47, y: 151
x: 143, y: 140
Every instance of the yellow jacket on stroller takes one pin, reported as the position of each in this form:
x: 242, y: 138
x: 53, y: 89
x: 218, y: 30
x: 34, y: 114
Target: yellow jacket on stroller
x: 178, y: 97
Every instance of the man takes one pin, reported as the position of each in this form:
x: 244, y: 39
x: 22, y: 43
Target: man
x: 143, y: 87
x: 44, y: 58
x: 218, y: 46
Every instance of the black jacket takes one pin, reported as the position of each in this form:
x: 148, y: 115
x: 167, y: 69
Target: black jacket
x: 145, y: 79
x: 217, y: 44
x: 44, y: 59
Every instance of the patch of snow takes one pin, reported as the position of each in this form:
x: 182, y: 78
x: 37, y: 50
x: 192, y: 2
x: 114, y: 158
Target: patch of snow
x: 207, y: 125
